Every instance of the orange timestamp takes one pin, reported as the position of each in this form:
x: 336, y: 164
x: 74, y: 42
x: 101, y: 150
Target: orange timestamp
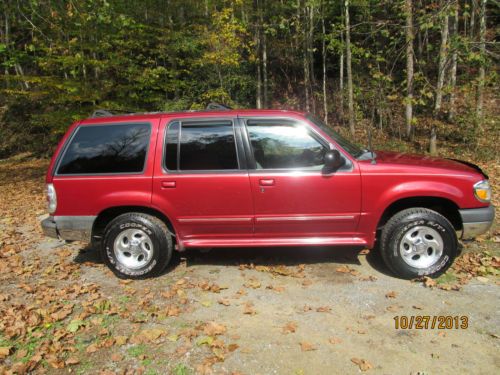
x: 431, y: 322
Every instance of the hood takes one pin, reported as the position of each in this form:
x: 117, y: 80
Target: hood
x: 398, y: 158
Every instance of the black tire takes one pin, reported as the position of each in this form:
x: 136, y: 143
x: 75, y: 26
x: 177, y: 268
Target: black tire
x: 155, y: 237
x: 394, y: 241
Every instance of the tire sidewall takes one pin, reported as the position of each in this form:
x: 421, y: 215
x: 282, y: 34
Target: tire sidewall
x: 449, y: 242
x: 158, y: 240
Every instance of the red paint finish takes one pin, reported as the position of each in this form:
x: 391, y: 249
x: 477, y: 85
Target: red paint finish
x: 264, y: 208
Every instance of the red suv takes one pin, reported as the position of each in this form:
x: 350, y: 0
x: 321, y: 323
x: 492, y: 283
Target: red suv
x: 143, y: 185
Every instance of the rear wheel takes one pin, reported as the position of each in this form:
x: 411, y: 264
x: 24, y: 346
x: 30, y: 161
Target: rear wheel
x: 136, y: 246
x: 418, y: 242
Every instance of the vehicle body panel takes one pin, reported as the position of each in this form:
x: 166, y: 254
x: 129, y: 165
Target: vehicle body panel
x: 250, y: 207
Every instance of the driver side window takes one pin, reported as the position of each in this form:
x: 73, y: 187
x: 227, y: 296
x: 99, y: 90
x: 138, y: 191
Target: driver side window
x: 284, y: 145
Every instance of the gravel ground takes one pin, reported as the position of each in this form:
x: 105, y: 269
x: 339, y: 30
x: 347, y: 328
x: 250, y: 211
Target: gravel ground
x: 340, y: 304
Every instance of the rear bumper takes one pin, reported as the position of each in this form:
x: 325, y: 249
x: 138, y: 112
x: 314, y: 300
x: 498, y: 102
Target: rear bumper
x: 476, y: 221
x: 70, y: 228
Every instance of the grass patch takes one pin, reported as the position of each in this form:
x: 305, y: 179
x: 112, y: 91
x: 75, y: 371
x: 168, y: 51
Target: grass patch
x: 137, y: 350
x: 181, y: 369
x: 447, y: 278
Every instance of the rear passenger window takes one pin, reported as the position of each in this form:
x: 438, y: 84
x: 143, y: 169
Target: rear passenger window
x: 200, y: 146
x: 98, y: 149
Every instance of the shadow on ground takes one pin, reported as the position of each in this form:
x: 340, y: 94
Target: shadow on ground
x: 268, y: 256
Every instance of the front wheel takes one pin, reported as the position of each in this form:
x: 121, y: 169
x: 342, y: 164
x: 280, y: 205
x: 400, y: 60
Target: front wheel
x: 136, y: 246
x: 418, y: 242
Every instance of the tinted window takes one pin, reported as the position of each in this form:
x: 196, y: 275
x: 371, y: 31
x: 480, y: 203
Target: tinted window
x: 171, y: 144
x: 277, y: 146
x: 203, y: 146
x: 106, y: 149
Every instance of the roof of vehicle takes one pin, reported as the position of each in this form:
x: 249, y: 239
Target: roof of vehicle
x: 188, y: 114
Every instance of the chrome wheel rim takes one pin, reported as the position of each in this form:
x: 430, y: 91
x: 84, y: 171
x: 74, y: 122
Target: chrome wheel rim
x: 421, y: 247
x: 133, y: 248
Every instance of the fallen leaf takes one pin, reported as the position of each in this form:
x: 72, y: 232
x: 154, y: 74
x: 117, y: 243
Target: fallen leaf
x: 326, y: 309
x: 391, y: 294
x: 290, y: 327
x: 393, y: 308
x: 224, y: 301
x: 121, y: 340
x: 152, y: 334
x: 334, y: 340
x: 72, y: 361
x: 248, y: 309
x: 307, y: 347
x: 214, y: 329
x: 5, y: 351
x: 116, y: 357
x: 92, y: 348
x: 252, y: 283
x: 363, y: 364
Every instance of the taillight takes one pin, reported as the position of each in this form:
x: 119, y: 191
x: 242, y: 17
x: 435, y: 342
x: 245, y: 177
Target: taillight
x: 51, y: 198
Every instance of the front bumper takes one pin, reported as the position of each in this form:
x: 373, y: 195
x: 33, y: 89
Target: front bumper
x: 476, y: 221
x: 69, y: 228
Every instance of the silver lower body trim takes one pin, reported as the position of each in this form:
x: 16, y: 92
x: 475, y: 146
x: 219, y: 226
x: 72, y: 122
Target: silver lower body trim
x: 476, y: 221
x: 70, y: 228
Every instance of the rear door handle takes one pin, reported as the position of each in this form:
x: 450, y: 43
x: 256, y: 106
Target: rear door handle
x: 168, y: 184
x: 266, y: 182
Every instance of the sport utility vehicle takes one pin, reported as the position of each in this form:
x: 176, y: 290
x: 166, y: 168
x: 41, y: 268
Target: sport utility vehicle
x: 143, y: 185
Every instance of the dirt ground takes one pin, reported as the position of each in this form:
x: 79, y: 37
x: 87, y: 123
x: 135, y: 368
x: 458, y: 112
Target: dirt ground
x: 232, y: 311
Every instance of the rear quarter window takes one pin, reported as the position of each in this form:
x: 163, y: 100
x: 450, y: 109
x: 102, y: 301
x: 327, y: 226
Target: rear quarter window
x: 104, y: 149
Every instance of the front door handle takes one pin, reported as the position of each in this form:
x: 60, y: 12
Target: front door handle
x: 168, y: 184
x: 266, y: 182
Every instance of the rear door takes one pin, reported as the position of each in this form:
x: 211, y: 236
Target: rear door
x: 201, y: 181
x: 292, y: 197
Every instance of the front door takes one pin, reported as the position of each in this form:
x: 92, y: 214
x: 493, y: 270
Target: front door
x: 292, y: 197
x: 203, y: 182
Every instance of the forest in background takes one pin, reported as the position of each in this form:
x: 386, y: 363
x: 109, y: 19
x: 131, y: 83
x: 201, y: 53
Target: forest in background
x: 404, y: 69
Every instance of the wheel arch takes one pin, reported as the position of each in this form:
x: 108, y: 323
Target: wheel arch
x: 444, y: 206
x: 108, y: 214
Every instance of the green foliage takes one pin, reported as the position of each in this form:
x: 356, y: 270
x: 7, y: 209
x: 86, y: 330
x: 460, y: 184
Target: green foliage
x: 62, y: 60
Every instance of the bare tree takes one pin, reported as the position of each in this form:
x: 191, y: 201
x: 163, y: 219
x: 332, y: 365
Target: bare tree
x: 258, y: 48
x: 453, y: 68
x: 443, y: 55
x: 349, y: 68
x: 409, y: 67
x: 323, y: 55
x: 482, y: 48
x: 264, y: 55
x: 341, y: 70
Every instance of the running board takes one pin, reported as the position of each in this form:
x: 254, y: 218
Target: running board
x: 264, y: 242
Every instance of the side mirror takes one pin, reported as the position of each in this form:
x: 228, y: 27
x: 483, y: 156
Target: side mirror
x: 333, y: 161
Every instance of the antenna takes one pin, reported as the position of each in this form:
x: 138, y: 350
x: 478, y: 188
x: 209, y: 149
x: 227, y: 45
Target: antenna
x: 370, y: 145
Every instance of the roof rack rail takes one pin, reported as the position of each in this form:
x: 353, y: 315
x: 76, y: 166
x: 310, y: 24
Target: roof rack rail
x: 109, y: 112
x: 217, y: 107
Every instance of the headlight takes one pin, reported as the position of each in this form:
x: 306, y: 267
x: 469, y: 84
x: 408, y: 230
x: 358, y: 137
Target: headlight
x: 51, y: 198
x: 482, y: 191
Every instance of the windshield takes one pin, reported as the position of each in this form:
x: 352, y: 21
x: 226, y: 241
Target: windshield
x: 347, y: 145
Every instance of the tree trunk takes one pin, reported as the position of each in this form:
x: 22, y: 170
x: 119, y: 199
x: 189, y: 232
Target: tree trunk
x: 305, y: 61
x: 433, y: 141
x: 264, y: 56
x: 473, y: 17
x: 453, y: 69
x: 258, y: 46
x: 443, y: 55
x: 409, y: 68
x: 482, y: 48
x: 350, y: 92
x: 341, y: 71
x: 323, y: 55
